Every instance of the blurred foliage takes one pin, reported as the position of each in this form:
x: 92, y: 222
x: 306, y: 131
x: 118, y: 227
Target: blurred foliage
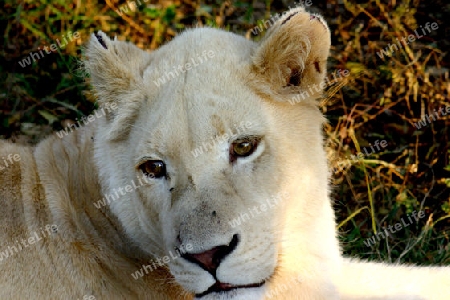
x: 380, y: 100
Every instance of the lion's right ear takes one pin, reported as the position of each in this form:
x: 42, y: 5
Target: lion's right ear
x: 116, y: 74
x: 292, y: 56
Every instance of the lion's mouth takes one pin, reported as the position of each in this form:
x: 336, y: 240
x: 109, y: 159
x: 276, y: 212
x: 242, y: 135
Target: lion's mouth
x: 220, y: 287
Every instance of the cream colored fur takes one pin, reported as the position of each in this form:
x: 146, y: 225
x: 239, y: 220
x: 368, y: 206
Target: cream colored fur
x: 292, y: 247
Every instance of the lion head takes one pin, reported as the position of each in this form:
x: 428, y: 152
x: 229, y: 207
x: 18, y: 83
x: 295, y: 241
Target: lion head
x: 233, y: 176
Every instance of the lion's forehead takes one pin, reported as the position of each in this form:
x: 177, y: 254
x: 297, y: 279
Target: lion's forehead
x: 204, y: 102
x: 198, y: 121
x: 204, y: 53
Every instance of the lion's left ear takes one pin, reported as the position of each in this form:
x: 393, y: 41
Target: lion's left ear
x: 293, y: 54
x: 116, y: 74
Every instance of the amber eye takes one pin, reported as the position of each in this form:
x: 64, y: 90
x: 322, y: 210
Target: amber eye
x: 242, y: 148
x: 153, y: 168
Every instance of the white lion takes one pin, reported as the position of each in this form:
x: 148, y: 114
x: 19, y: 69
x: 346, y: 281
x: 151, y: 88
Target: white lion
x: 136, y: 215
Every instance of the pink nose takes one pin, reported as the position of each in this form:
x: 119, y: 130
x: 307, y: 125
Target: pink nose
x: 211, y: 259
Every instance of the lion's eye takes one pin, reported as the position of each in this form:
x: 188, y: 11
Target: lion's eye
x: 153, y: 168
x: 242, y: 148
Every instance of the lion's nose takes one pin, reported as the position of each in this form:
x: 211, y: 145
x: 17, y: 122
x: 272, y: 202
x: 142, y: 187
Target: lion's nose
x: 211, y: 259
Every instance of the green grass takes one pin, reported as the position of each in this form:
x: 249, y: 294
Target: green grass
x: 381, y: 99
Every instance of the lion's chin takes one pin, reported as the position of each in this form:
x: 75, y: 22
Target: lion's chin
x: 241, y: 293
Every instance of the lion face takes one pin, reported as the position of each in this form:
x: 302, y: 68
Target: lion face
x: 207, y: 160
x: 224, y: 186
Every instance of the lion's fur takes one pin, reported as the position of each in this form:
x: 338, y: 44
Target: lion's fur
x: 293, y: 246
x: 56, y: 184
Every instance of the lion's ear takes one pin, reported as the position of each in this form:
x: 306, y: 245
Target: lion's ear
x: 116, y: 74
x: 293, y: 54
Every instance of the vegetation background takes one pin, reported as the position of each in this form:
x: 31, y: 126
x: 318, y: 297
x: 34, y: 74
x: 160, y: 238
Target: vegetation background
x: 381, y: 100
